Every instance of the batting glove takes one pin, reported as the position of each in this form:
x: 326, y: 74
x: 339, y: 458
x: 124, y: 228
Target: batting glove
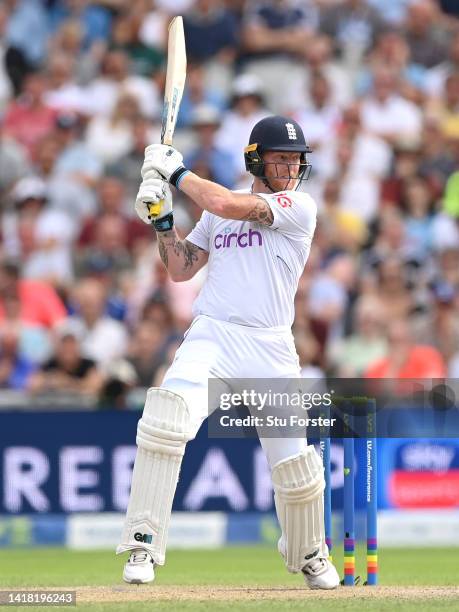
x: 153, y: 203
x: 167, y: 161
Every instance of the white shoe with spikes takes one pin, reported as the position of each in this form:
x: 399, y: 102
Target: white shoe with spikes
x: 139, y: 568
x: 320, y: 573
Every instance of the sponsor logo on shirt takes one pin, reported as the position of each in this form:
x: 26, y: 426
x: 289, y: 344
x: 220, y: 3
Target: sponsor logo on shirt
x: 244, y: 239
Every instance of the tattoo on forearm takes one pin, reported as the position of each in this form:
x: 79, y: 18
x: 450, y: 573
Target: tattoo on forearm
x: 261, y: 213
x: 163, y: 252
x: 184, y: 250
x: 189, y: 251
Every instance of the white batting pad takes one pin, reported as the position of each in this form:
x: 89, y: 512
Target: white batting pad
x: 298, y: 493
x: 162, y: 434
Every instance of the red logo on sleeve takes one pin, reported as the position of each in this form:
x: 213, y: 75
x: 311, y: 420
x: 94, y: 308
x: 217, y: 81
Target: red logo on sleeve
x: 284, y: 200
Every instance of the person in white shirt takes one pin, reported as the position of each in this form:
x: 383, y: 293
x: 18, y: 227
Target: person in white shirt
x: 387, y: 114
x: 247, y: 108
x: 256, y: 244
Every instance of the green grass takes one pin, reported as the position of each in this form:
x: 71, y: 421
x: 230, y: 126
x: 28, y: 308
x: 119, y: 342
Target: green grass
x: 231, y: 566
x: 238, y: 565
x: 272, y: 605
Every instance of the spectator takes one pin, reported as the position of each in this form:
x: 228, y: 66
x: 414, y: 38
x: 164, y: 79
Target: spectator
x: 343, y: 229
x: 109, y: 248
x: 247, y: 108
x: 436, y: 162
x: 210, y: 32
x: 308, y: 350
x: 320, y: 60
x: 127, y: 168
x: 14, y: 163
x: 110, y: 138
x: 359, y: 190
x: 158, y: 311
x: 147, y: 351
x: 394, y: 289
x: 103, y: 93
x: 102, y: 338
x: 278, y: 28
x: 68, y: 41
x: 208, y: 159
x: 95, y: 19
x: 438, y: 326
x: 274, y: 38
x: 370, y: 153
x: 63, y: 93
x: 391, y: 243
x: 321, y: 118
x: 436, y: 76
x: 144, y: 59
x: 39, y: 303
x: 153, y: 25
x: 41, y: 235
x: 29, y: 118
x: 120, y: 381
x: 446, y: 109
x: 392, y: 53
x: 424, y: 34
x: 405, y: 358
x: 351, y: 356
x: 15, y: 368
x: 70, y: 195
x: 197, y: 93
x: 34, y: 339
x: 419, y: 206
x: 328, y: 299
x: 27, y: 30
x: 112, y: 203
x: 448, y: 267
x: 353, y: 25
x: 385, y: 113
x: 75, y: 161
x: 68, y: 371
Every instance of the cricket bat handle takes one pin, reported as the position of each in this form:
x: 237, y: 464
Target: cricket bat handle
x: 154, y: 208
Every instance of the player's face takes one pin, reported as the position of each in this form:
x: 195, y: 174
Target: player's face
x: 280, y: 166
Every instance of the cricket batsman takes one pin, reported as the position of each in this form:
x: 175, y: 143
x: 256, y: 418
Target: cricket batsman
x: 256, y: 244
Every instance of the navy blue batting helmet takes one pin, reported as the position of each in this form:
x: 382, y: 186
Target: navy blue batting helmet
x: 276, y: 133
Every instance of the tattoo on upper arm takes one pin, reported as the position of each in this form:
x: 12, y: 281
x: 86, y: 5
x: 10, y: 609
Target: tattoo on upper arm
x: 261, y: 213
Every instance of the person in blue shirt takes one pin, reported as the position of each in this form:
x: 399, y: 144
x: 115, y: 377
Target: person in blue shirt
x: 197, y: 92
x: 96, y: 19
x: 215, y: 162
x: 15, y: 368
x: 27, y: 30
x: 210, y: 31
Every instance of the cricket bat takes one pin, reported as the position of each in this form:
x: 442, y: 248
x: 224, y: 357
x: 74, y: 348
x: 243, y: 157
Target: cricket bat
x: 175, y: 83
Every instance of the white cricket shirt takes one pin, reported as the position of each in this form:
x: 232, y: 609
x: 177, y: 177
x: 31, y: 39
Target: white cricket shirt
x: 254, y: 269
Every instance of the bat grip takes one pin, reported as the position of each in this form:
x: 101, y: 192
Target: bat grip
x: 154, y: 208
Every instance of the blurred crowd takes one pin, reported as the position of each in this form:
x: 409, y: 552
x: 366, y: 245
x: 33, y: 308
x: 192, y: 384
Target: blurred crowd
x: 87, y: 310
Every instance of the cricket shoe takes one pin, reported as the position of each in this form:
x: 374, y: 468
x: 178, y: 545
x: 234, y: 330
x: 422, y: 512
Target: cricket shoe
x: 139, y: 568
x: 320, y: 573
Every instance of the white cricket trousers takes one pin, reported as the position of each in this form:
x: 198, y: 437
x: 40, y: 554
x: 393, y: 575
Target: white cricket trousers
x: 213, y: 348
